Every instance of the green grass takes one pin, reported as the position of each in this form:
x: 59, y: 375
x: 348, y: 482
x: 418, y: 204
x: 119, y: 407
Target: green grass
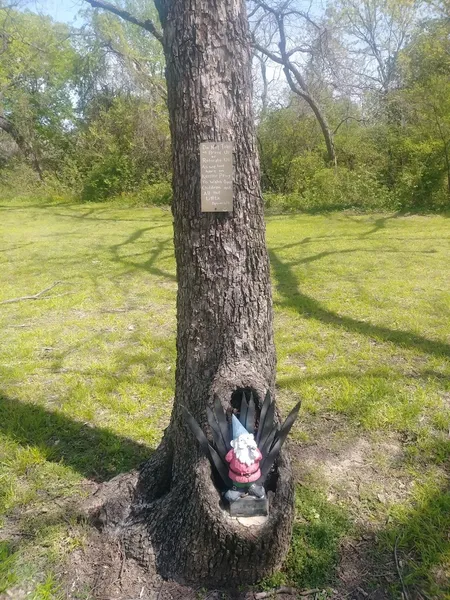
x: 318, y: 529
x: 362, y: 318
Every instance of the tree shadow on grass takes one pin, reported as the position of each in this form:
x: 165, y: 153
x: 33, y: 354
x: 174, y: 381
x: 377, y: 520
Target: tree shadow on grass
x: 413, y: 548
x: 153, y: 255
x: 288, y: 287
x: 96, y: 214
x: 15, y: 207
x: 378, y: 224
x: 418, y: 540
x: 355, y: 374
x: 327, y: 253
x: 349, y: 544
x: 94, y: 452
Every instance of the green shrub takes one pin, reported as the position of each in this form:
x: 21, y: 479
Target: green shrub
x: 107, y: 178
x: 19, y: 180
x: 152, y: 194
x: 314, y: 189
x: 302, y: 172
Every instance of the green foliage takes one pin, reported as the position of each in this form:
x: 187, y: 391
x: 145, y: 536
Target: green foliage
x: 327, y: 189
x: 18, y: 178
x: 426, y: 108
x: 393, y: 146
x: 156, y: 194
x: 36, y: 72
x: 90, y: 116
x: 140, y: 61
x: 107, y: 178
x: 283, y: 135
x: 79, y: 119
x: 301, y: 180
x: 124, y: 148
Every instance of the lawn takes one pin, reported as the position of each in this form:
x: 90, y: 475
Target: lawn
x: 362, y: 318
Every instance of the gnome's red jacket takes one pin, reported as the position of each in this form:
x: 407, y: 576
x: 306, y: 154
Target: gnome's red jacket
x: 240, y: 472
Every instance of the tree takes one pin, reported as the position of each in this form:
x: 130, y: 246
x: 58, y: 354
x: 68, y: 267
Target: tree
x: 120, y: 59
x: 426, y: 101
x: 272, y: 24
x: 376, y: 32
x: 122, y: 146
x: 36, y: 67
x: 170, y: 512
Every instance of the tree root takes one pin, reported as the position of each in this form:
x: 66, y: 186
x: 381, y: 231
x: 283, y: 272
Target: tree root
x: 285, y: 590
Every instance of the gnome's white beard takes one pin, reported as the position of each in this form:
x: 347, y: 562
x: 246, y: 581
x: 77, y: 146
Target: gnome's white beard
x: 246, y: 455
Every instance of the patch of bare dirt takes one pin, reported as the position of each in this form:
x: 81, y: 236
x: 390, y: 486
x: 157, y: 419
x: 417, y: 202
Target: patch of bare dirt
x: 366, y: 474
x: 101, y: 571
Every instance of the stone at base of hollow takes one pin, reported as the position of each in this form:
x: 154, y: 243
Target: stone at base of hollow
x: 249, y: 506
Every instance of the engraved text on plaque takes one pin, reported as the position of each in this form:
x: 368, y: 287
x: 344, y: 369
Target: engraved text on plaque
x: 216, y: 172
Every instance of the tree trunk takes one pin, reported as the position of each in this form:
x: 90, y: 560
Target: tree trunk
x: 326, y: 131
x: 224, y: 315
x: 301, y: 90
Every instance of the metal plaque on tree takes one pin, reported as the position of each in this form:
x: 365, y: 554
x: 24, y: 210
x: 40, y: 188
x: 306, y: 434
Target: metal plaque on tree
x: 216, y: 173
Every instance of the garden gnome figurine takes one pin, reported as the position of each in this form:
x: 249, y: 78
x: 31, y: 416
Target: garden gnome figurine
x: 243, y: 458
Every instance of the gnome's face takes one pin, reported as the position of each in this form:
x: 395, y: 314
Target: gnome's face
x: 245, y: 448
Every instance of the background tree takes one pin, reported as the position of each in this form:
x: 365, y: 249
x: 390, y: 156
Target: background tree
x: 425, y: 98
x: 36, y: 69
x: 123, y: 138
x: 376, y: 70
x: 275, y: 35
x: 375, y: 32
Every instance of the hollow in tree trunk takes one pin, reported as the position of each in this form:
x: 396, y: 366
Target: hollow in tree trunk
x: 171, y: 513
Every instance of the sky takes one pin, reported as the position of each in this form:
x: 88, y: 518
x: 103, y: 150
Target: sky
x: 60, y: 10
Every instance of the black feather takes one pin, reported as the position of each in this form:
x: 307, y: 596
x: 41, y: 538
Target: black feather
x: 221, y: 467
x: 223, y: 423
x: 267, y: 462
x: 206, y: 448
x: 243, y: 411
x: 217, y: 433
x: 250, y: 422
x: 262, y: 416
x: 287, y: 425
x: 266, y: 426
x: 197, y: 431
x: 269, y: 442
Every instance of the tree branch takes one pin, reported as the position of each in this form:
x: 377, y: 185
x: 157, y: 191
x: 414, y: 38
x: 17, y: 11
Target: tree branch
x: 138, y: 65
x: 345, y: 120
x: 148, y: 24
x: 7, y: 126
x: 306, y: 49
x: 266, y: 52
x: 33, y: 297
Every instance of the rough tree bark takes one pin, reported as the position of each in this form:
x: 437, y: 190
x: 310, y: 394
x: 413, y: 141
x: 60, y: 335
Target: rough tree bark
x: 170, y: 513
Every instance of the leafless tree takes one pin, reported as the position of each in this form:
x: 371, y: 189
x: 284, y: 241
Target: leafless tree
x: 277, y: 28
x: 374, y: 34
